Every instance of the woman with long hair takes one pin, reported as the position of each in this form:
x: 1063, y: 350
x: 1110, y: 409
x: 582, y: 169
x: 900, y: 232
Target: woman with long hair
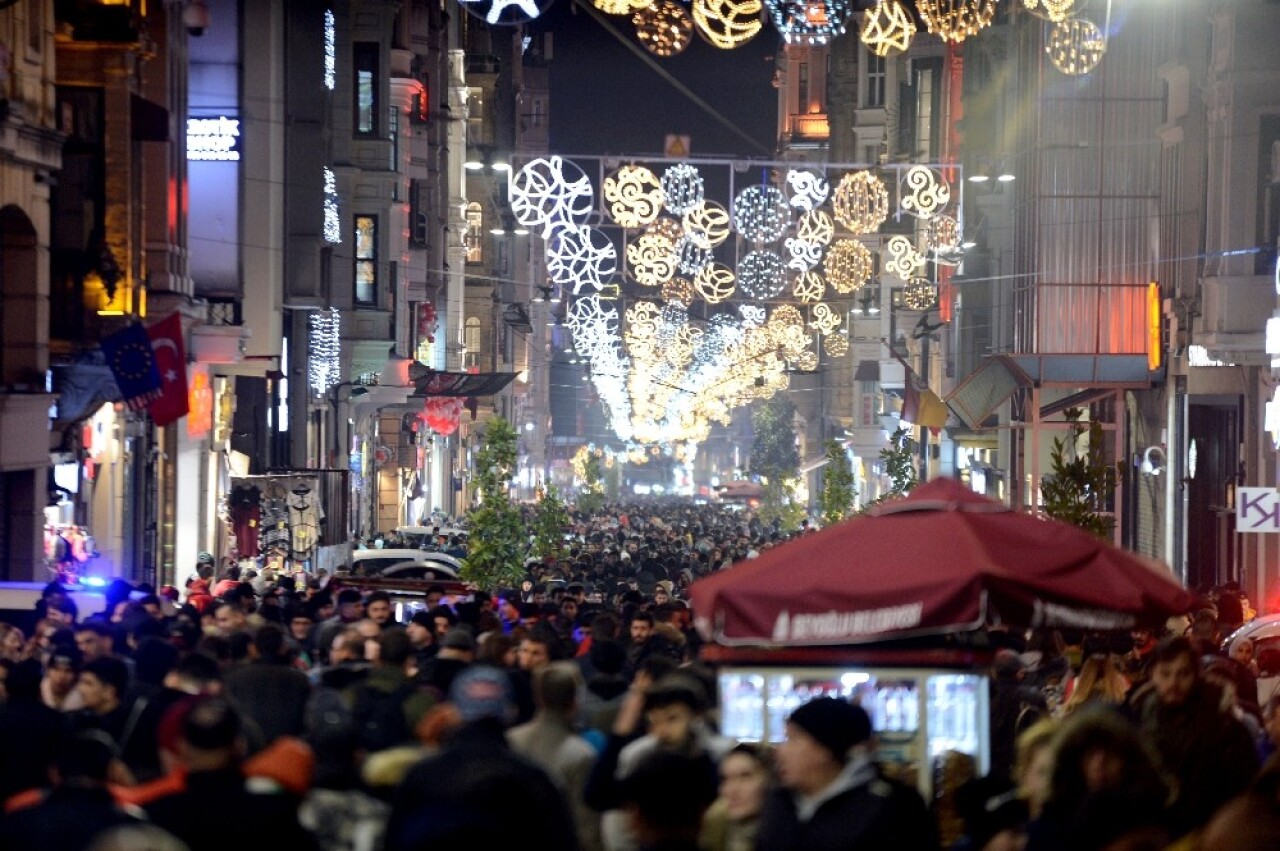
x: 1100, y: 681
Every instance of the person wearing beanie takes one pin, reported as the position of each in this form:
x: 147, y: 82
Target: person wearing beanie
x: 832, y: 794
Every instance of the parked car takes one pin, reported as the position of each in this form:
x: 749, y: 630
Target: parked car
x: 377, y: 562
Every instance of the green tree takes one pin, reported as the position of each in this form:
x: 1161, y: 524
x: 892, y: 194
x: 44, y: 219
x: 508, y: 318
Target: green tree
x: 836, y: 500
x: 550, y: 520
x: 1080, y: 481
x: 899, y: 459
x: 774, y: 458
x: 613, y: 480
x: 591, y: 494
x: 497, y: 541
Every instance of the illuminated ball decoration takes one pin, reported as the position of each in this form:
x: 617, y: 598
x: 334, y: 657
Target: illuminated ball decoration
x: 663, y: 28
x: 551, y: 193
x: 727, y: 23
x: 806, y: 190
x: 924, y: 193
x: 715, y: 283
x: 944, y: 235
x: 668, y: 229
x: 809, y: 287
x: 1054, y: 10
x: 919, y: 294
x: 678, y: 289
x: 956, y: 20
x: 682, y: 189
x: 691, y: 258
x: 825, y: 320
x: 761, y: 213
x: 760, y: 274
x: 1075, y: 46
x: 888, y: 27
x: 634, y: 196
x: 903, y: 260
x: 642, y: 319
x: 848, y: 266
x: 620, y: 7
x: 651, y: 259
x: 809, y: 22
x: 805, y: 360
x: 816, y: 227
x: 836, y: 345
x: 581, y: 258
x: 861, y: 202
x: 707, y: 224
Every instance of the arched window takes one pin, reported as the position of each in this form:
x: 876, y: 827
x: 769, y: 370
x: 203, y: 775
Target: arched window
x: 471, y: 340
x: 475, y: 233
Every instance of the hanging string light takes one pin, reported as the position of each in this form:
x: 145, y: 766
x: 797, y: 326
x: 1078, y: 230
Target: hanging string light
x: 634, y: 195
x: 919, y: 294
x: 682, y: 188
x: 848, y: 266
x: 663, y: 28
x: 809, y: 22
x: 727, y: 23
x: 761, y: 213
x: 861, y: 202
x: 1075, y: 46
x: 888, y: 27
x: 956, y: 20
x: 760, y: 274
x: 324, y: 350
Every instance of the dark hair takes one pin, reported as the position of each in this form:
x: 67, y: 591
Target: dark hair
x: 394, y: 646
x: 97, y: 627
x: 676, y: 689
x: 212, y: 724
x: 555, y: 687
x: 200, y: 668
x: 671, y: 791
x: 269, y: 641
x: 1168, y: 649
x: 86, y: 756
x: 111, y: 671
x: 647, y: 617
x: 153, y: 660
x: 444, y: 612
x: 377, y: 597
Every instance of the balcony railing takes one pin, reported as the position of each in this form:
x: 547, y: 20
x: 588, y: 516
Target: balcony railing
x: 810, y: 126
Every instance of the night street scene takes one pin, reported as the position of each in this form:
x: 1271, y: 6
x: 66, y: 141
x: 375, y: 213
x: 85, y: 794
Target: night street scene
x: 639, y: 425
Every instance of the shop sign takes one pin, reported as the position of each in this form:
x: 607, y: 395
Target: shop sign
x: 1257, y: 510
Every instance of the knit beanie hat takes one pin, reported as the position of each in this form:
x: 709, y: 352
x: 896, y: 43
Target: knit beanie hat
x: 837, y: 725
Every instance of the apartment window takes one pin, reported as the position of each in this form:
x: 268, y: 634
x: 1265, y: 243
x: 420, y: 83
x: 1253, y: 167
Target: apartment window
x: 365, y: 61
x: 802, y: 87
x: 35, y: 28
x: 393, y: 133
x: 471, y: 340
x: 366, y: 231
x: 474, y: 240
x: 875, y: 81
x: 475, y: 116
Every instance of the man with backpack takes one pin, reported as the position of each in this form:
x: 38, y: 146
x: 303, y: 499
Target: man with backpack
x: 387, y: 706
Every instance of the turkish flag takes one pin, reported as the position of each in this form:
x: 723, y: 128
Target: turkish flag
x: 171, y: 360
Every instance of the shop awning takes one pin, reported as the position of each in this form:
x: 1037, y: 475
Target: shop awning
x: 461, y: 384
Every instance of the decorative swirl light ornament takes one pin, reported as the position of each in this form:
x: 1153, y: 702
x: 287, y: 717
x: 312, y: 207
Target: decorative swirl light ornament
x: 651, y: 259
x: 752, y: 314
x: 825, y: 320
x: 956, y: 20
x: 836, y: 345
x: 551, y: 193
x: 642, y: 319
x: 691, y: 258
x: 904, y: 261
x: 682, y: 189
x: 861, y: 202
x: 1075, y: 46
x: 678, y: 289
x: 809, y: 287
x: 510, y: 12
x: 848, y: 266
x: 621, y: 7
x: 663, y: 28
x: 888, y: 27
x: 634, y: 195
x: 801, y: 254
x: 761, y: 213
x: 760, y: 274
x: 1054, y: 10
x: 809, y: 22
x: 581, y: 257
x: 808, y: 189
x: 715, y: 283
x: 919, y: 294
x: 944, y: 235
x: 707, y: 224
x: 929, y: 193
x: 727, y: 23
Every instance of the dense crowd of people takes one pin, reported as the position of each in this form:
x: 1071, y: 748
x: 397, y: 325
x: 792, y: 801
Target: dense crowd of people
x: 251, y: 710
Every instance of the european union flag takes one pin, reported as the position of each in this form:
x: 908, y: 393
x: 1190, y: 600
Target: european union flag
x: 133, y: 362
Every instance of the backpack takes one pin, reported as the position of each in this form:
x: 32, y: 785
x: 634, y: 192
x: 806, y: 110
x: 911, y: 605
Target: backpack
x: 379, y: 716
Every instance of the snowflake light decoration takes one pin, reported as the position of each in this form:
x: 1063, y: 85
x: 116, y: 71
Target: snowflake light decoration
x: 651, y: 259
x: 956, y: 20
x: 707, y: 224
x: 919, y: 294
x: 1075, y: 46
x: 802, y: 254
x: 809, y: 22
x: 678, y: 289
x: 836, y: 345
x: 691, y: 258
x: 761, y: 213
x: 760, y: 274
x: 808, y: 189
x: 664, y: 28
x: 727, y: 23
x: 715, y: 283
x: 549, y: 193
x: 888, y: 27
x: 903, y: 260
x: 929, y: 193
x: 861, y: 202
x: 848, y: 266
x: 634, y: 195
x: 682, y: 188
x: 581, y: 257
x: 809, y: 287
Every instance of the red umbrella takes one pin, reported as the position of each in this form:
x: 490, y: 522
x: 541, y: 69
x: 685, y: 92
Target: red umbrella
x: 942, y: 560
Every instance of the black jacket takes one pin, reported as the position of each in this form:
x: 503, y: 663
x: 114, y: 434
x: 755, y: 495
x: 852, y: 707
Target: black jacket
x: 216, y: 813
x: 68, y: 819
x: 880, y: 815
